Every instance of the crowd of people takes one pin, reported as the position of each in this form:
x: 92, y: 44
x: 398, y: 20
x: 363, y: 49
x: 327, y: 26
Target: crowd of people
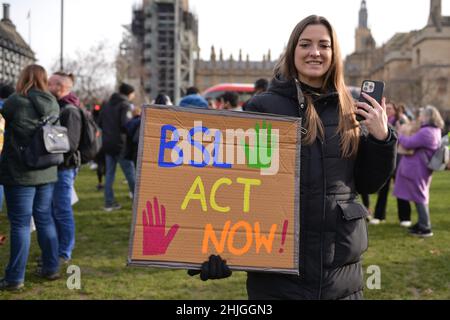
x: 44, y: 197
x: 308, y: 82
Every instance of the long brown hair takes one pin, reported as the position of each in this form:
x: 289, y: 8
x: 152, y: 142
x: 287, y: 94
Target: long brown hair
x: 348, y: 127
x: 33, y: 76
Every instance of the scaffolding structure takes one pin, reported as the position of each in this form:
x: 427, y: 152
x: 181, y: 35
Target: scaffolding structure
x: 165, y: 36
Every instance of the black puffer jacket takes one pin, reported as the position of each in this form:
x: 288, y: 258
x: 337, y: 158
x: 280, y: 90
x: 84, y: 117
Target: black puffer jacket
x: 113, y: 118
x: 333, y: 230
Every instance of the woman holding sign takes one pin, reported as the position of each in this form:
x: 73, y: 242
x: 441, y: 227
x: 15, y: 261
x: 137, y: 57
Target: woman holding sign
x: 337, y: 163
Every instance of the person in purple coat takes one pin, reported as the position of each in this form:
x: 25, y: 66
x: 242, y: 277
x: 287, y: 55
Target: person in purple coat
x: 413, y: 179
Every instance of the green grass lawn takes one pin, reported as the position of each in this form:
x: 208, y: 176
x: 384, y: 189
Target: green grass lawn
x: 410, y: 268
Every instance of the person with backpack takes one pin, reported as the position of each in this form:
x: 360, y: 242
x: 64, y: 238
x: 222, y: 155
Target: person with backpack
x: 60, y: 85
x: 413, y: 178
x: 113, y: 118
x: 28, y: 192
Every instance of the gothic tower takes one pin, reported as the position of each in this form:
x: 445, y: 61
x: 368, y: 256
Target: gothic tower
x: 363, y: 16
x: 435, y: 19
x: 363, y: 38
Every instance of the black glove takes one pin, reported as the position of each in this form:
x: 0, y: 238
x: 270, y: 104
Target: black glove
x: 215, y: 268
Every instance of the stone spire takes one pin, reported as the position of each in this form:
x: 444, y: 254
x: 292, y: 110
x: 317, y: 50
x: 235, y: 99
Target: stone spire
x: 213, y: 54
x: 363, y: 37
x: 6, y: 13
x: 363, y: 15
x: 435, y: 18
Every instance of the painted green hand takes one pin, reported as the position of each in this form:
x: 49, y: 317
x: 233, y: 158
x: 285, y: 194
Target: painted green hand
x: 261, y: 153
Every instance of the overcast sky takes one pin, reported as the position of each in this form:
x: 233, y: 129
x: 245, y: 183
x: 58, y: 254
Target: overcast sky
x: 253, y: 25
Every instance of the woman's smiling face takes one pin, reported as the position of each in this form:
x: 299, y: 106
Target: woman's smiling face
x: 313, y: 55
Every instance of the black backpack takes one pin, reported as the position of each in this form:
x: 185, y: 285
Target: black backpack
x: 91, y: 138
x: 47, y: 146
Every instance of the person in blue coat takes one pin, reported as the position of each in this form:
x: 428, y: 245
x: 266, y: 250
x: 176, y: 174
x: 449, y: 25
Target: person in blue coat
x: 193, y: 99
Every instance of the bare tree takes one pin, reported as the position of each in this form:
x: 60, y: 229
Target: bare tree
x: 405, y: 90
x: 94, y: 73
x: 432, y: 92
x: 419, y: 87
x: 129, y: 64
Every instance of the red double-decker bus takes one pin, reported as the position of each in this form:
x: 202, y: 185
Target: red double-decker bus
x: 244, y: 90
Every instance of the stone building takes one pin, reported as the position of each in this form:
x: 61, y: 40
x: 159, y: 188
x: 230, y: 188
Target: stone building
x: 15, y: 54
x: 414, y: 65
x: 219, y: 70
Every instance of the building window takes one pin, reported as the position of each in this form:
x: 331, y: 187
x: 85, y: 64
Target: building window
x: 418, y: 58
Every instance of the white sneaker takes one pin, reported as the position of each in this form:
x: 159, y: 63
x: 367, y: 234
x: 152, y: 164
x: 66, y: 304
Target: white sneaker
x: 376, y: 221
x: 405, y: 224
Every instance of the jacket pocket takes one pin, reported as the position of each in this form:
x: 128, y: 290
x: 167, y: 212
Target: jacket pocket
x: 351, y: 233
x: 352, y: 210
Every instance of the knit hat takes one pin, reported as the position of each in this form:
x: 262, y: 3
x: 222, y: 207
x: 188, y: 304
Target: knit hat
x: 126, y: 89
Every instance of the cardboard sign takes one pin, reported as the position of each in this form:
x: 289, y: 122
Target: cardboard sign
x: 217, y: 182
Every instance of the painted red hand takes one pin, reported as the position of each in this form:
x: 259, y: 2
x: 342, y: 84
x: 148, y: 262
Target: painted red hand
x: 155, y: 240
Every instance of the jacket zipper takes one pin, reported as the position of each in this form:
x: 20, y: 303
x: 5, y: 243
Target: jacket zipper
x: 301, y: 109
x: 323, y: 217
x: 302, y: 106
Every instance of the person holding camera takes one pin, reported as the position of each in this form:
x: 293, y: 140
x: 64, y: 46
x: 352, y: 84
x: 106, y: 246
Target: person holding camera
x: 396, y: 117
x: 336, y: 163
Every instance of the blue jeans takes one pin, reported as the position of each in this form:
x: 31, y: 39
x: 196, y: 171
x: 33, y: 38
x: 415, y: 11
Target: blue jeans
x: 1, y: 198
x: 128, y: 170
x: 63, y: 213
x: 22, y: 203
x: 424, y: 215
